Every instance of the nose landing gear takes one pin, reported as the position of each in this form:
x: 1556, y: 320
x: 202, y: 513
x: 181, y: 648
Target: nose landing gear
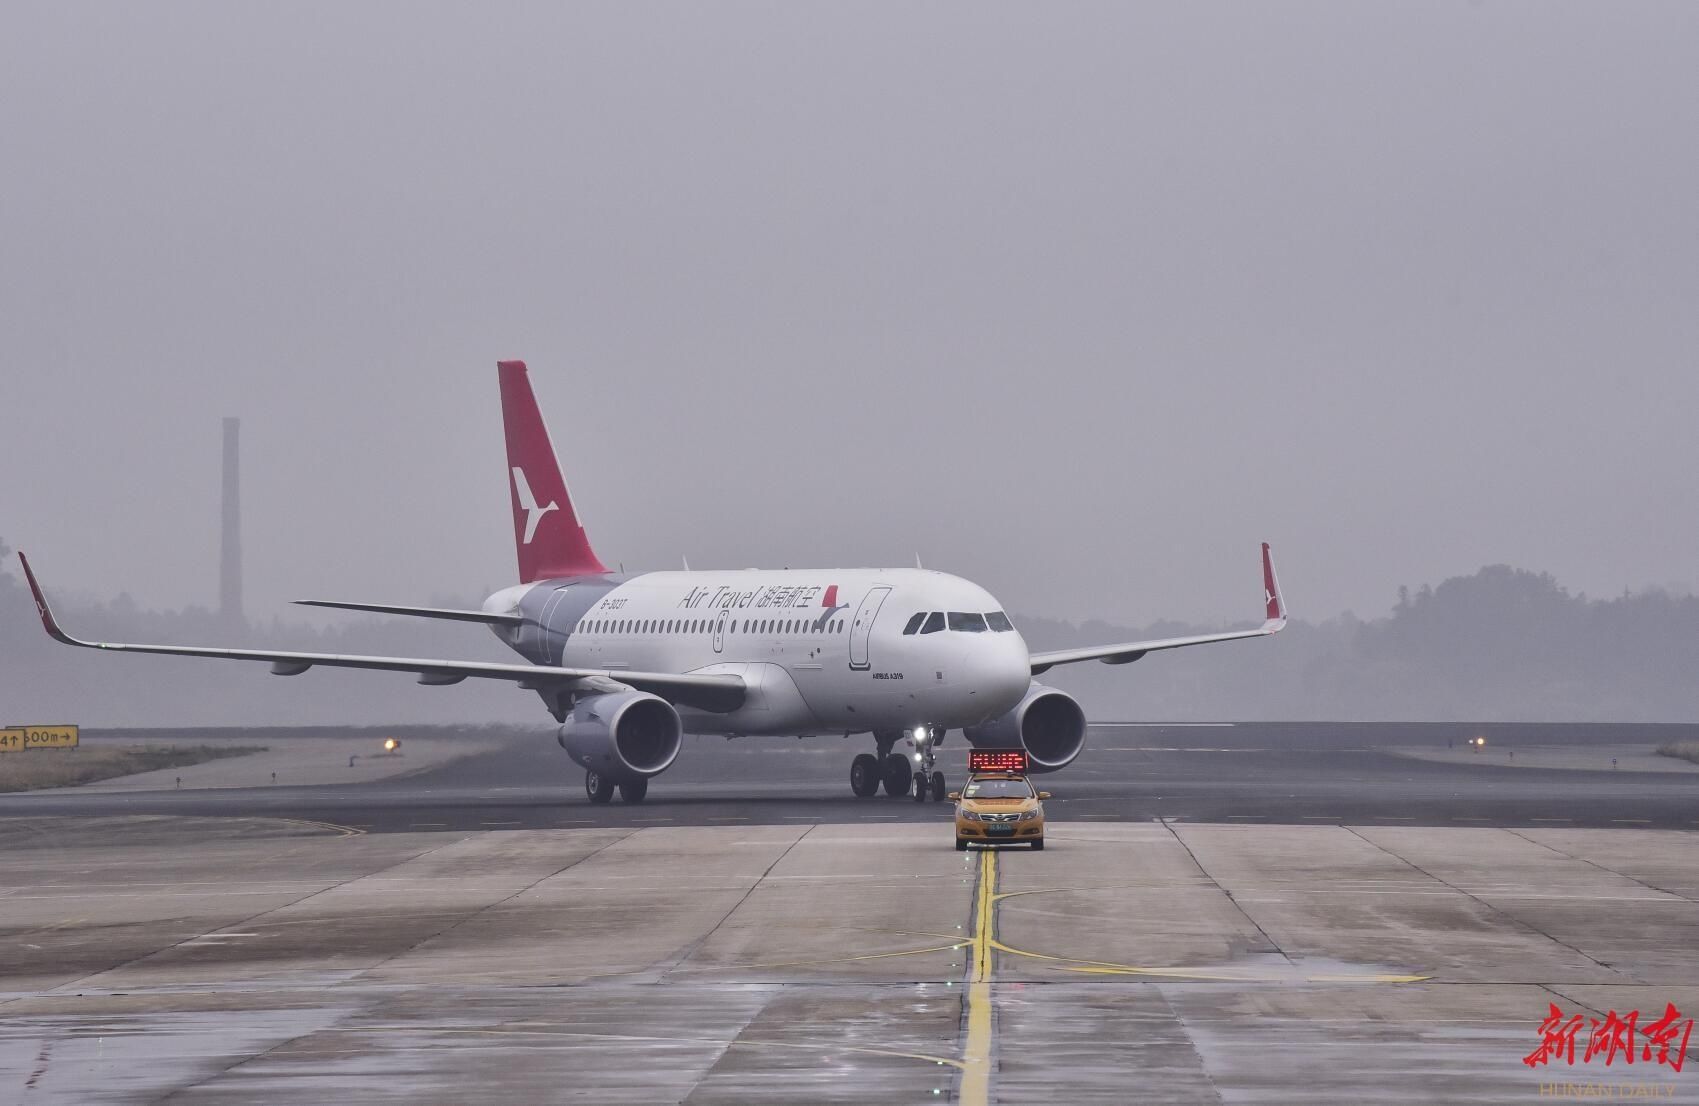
x: 929, y: 782
x: 898, y: 772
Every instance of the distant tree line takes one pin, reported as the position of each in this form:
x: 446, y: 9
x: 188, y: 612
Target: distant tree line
x: 1501, y: 645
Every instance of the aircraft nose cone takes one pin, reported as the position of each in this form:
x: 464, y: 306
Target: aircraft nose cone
x: 1007, y: 669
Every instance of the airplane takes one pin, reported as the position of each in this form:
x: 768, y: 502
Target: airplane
x: 629, y: 664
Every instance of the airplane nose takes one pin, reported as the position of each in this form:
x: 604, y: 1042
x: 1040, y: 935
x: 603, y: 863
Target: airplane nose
x: 1007, y: 671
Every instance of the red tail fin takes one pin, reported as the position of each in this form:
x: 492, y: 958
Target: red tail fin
x: 546, y: 530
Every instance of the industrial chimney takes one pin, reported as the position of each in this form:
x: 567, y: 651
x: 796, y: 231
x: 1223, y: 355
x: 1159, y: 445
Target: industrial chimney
x: 230, y: 560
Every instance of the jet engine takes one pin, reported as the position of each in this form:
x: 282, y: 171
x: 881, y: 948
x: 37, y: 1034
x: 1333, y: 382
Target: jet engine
x: 623, y: 736
x: 1048, y: 724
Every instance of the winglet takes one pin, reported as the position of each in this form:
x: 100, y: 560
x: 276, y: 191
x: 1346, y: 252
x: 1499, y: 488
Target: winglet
x: 47, y: 619
x: 1271, y: 591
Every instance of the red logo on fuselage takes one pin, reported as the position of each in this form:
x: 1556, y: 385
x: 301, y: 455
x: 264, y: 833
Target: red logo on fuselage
x: 831, y: 598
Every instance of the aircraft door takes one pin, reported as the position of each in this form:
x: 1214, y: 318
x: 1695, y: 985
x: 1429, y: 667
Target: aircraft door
x: 863, y: 626
x: 720, y: 631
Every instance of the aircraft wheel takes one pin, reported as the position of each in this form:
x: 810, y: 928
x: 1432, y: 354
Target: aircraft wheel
x: 961, y: 845
x: 938, y: 788
x: 598, y: 788
x: 898, y: 775
x: 634, y: 792
x: 865, y: 775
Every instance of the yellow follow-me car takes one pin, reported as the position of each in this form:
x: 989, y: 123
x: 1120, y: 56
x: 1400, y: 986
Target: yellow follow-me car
x: 997, y: 808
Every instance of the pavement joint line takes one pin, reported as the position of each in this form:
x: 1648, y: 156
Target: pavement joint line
x: 1474, y: 898
x: 1603, y: 868
x: 1632, y: 821
x: 321, y: 889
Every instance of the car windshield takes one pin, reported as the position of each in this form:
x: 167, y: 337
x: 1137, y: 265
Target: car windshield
x: 968, y: 621
x: 998, y: 789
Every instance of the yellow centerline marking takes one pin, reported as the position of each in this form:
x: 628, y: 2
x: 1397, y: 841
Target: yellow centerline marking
x: 976, y: 1053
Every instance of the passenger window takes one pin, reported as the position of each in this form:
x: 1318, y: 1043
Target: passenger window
x: 914, y: 623
x: 999, y: 621
x: 934, y: 623
x: 968, y: 622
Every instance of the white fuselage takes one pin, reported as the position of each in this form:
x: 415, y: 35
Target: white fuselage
x: 820, y: 651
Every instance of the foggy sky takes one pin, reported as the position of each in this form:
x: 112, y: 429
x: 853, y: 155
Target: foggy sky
x: 1080, y: 301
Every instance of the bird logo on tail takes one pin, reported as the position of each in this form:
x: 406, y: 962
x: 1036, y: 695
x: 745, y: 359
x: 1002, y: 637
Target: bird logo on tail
x: 533, y: 513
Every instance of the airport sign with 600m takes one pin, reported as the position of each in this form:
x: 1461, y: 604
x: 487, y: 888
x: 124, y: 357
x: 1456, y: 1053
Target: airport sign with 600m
x: 18, y: 739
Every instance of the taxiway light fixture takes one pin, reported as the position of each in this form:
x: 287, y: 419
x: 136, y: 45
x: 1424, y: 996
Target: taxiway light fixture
x: 390, y: 744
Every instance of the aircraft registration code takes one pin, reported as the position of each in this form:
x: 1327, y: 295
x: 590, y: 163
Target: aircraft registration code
x: 18, y: 739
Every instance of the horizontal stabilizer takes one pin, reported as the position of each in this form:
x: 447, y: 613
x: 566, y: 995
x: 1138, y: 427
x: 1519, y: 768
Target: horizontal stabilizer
x: 489, y: 618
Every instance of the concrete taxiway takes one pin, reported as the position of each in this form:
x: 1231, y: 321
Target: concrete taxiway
x: 258, y: 960
x: 1319, y: 913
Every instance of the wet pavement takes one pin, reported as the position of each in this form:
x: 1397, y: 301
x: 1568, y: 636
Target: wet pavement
x: 230, y: 960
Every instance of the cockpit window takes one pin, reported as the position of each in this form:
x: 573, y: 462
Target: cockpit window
x: 998, y: 789
x: 999, y: 621
x: 914, y: 623
x: 934, y: 623
x: 969, y: 622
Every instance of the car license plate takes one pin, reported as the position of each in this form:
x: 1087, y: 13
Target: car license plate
x: 1001, y: 827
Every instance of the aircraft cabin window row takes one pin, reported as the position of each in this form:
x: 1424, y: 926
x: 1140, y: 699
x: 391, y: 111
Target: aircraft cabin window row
x: 704, y: 626
x: 967, y: 622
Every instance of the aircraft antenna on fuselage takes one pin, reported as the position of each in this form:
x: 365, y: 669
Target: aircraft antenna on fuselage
x: 550, y: 540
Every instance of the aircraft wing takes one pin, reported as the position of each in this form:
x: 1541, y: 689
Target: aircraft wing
x: 1129, y: 651
x: 710, y: 692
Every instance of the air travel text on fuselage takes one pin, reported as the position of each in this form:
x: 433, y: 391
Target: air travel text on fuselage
x: 795, y: 595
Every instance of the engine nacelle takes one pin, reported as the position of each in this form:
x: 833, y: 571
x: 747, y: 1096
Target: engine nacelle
x: 1048, y: 724
x: 624, y: 736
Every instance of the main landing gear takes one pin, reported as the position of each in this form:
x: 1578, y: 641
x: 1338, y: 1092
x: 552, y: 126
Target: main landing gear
x: 600, y: 789
x: 899, y: 773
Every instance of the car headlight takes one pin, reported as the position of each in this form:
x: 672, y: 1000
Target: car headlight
x: 1029, y: 816
x: 970, y: 816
